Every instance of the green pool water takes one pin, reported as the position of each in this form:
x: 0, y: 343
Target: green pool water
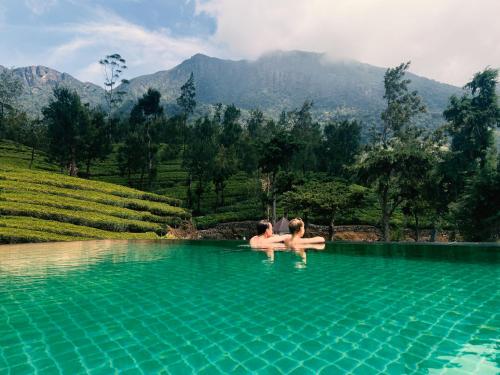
x: 109, y: 307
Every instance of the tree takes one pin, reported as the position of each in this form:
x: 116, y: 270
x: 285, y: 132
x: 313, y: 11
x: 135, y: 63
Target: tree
x: 306, y: 135
x: 198, y: 159
x: 145, y: 121
x: 340, y: 146
x: 96, y: 142
x: 11, y: 88
x: 276, y: 155
x: 231, y: 128
x: 402, y: 105
x: 417, y: 184
x: 394, y: 158
x: 254, y: 134
x: 113, y: 65
x: 33, y: 133
x: 326, y: 199
x: 478, y: 210
x: 471, y: 121
x: 131, y: 157
x: 68, y: 121
x: 187, y: 102
x: 225, y: 165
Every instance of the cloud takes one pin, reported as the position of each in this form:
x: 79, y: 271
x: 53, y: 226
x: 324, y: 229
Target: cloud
x: 145, y: 50
x: 448, y: 40
x: 39, y: 7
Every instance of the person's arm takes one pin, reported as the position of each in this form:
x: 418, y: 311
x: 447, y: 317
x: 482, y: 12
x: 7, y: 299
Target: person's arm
x: 279, y: 238
x: 311, y: 246
x: 311, y: 240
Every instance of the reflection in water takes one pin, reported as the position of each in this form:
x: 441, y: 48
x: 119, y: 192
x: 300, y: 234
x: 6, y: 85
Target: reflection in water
x: 209, y: 305
x: 472, y: 359
x: 299, y: 250
x: 49, y: 258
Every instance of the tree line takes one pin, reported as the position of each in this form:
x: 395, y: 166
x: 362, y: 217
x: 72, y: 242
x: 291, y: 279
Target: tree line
x: 450, y: 176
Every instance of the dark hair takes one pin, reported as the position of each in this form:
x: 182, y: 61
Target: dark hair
x: 295, y: 225
x: 262, y: 226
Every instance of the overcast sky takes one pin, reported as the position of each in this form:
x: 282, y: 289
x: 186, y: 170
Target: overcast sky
x: 446, y: 40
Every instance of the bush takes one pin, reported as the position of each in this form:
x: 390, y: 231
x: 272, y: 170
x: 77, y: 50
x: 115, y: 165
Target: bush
x: 76, y: 232
x: 90, y: 219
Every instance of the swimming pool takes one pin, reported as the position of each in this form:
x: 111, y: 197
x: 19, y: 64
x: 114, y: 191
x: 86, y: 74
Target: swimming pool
x: 219, y: 307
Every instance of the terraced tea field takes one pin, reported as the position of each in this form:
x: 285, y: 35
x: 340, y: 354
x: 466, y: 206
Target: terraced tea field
x: 48, y: 206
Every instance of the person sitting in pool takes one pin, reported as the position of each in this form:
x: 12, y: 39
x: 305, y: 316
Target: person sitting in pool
x: 265, y: 236
x: 297, y: 230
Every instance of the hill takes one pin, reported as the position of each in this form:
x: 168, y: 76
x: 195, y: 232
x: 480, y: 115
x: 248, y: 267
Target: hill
x: 38, y: 206
x: 274, y: 82
x: 284, y: 80
x: 39, y: 82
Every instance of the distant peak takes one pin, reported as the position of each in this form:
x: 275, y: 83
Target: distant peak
x: 200, y: 56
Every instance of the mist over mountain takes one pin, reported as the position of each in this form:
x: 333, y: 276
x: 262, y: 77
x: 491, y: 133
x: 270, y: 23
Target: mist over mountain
x: 276, y: 81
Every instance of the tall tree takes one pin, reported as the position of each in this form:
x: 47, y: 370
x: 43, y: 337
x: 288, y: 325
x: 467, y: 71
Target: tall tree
x: 187, y: 102
x: 146, y: 120
x: 388, y: 163
x: 198, y: 159
x: 67, y: 121
x: 306, y: 135
x: 340, y: 146
x: 231, y: 127
x: 114, y: 66
x: 471, y: 121
x: 33, y: 133
x: 478, y: 209
x: 402, y: 104
x: 276, y: 155
x: 96, y: 142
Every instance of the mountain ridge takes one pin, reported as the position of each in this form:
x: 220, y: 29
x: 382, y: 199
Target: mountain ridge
x: 276, y: 81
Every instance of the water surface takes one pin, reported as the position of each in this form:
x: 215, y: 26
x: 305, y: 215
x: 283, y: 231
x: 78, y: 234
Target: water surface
x: 181, y: 307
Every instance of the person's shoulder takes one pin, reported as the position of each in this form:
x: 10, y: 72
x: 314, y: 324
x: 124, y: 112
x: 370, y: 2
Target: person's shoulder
x: 255, y: 240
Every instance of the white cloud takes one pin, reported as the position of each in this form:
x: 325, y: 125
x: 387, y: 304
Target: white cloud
x: 145, y: 50
x: 39, y: 7
x: 447, y: 40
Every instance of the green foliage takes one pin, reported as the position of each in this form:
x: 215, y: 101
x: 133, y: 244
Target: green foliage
x: 160, y: 209
x: 342, y: 143
x: 472, y: 119
x: 402, y: 105
x: 327, y: 199
x: 187, y: 98
x: 21, y: 235
x: 140, y: 150
x: 69, y: 208
x: 68, y: 122
x: 399, y: 156
x: 478, y: 209
x: 75, y: 204
x: 58, y: 180
x: 26, y: 225
x: 305, y: 135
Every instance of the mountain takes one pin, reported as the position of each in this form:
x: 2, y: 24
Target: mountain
x: 284, y: 80
x: 39, y: 82
x: 276, y: 81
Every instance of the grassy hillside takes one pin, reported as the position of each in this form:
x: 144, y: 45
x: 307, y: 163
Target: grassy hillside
x: 40, y: 205
x: 241, y: 196
x: 242, y: 200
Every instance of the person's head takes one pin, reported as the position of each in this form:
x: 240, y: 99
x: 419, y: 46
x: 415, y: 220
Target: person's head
x: 296, y: 227
x: 265, y: 228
